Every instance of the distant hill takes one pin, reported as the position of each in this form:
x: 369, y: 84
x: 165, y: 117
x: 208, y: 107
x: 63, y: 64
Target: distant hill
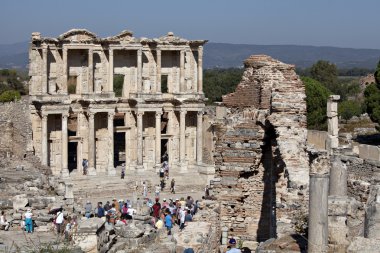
x: 223, y: 55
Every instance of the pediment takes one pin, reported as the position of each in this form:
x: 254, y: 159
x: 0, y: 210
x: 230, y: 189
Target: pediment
x: 78, y: 35
x: 125, y: 35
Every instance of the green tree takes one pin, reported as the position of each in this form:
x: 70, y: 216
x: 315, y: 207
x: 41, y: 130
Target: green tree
x: 219, y: 82
x: 349, y: 108
x: 372, y: 101
x: 9, y: 95
x: 316, y: 100
x: 324, y: 72
x: 377, y: 74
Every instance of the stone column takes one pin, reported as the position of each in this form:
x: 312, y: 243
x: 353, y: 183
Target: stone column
x: 110, y: 71
x: 338, y: 177
x: 44, y: 83
x: 200, y: 69
x: 199, y: 137
x: 140, y: 139
x: 182, y: 71
x: 64, y: 152
x: 338, y: 205
x: 91, y: 144
x: 372, y: 211
x: 64, y: 75
x: 182, y: 140
x: 332, y: 122
x: 127, y: 142
x: 318, y: 205
x: 158, y: 139
x: 44, y: 138
x: 158, y: 52
x: 111, y: 169
x: 69, y: 194
x: 139, y: 70
x: 90, y: 71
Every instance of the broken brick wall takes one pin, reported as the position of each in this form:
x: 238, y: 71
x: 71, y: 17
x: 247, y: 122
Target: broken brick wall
x: 260, y: 153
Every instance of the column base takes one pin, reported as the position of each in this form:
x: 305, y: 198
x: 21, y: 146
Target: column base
x: 111, y: 171
x: 182, y: 166
x: 140, y: 167
x: 157, y: 167
x: 91, y: 171
x: 65, y: 173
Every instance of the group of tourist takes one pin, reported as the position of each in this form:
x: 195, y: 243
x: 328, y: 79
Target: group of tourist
x: 169, y: 213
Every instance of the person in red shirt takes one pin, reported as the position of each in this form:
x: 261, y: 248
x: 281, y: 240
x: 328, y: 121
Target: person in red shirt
x: 156, y: 208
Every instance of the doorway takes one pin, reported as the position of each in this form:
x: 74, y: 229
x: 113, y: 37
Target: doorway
x: 72, y: 156
x: 164, y: 150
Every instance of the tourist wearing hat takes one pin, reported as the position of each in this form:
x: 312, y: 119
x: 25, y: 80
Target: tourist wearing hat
x: 232, y: 245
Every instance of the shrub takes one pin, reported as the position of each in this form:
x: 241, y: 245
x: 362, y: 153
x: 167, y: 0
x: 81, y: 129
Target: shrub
x: 349, y: 108
x: 10, y: 95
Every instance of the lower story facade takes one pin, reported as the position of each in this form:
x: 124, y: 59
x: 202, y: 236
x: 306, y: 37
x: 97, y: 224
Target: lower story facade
x: 109, y: 134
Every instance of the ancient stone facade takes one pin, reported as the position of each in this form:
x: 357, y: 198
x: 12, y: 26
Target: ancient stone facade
x: 261, y: 163
x: 154, y: 113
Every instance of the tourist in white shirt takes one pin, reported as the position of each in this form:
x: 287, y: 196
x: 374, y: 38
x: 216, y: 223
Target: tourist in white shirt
x: 3, y: 221
x: 59, y: 222
x: 28, y: 221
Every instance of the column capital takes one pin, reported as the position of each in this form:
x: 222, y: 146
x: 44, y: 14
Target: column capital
x: 158, y: 114
x: 110, y: 51
x: 139, y: 52
x: 44, y: 115
x: 111, y: 115
x: 158, y: 51
x: 91, y: 115
x: 200, y: 49
x: 183, y: 111
x: 65, y: 115
x: 200, y: 113
x: 139, y: 114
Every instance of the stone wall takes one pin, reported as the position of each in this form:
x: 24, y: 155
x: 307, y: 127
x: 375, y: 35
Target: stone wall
x: 260, y: 153
x: 15, y: 127
x: 317, y: 139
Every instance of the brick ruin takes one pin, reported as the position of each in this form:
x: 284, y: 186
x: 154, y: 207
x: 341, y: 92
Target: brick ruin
x: 262, y: 167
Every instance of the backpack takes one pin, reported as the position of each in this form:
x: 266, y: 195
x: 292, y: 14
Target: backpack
x: 124, y: 210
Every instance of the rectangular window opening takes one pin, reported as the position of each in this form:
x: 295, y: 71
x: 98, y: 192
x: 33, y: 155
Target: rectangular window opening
x: 72, y: 84
x: 164, y: 83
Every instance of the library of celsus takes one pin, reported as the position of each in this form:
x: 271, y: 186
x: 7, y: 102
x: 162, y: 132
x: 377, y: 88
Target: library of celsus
x: 116, y: 100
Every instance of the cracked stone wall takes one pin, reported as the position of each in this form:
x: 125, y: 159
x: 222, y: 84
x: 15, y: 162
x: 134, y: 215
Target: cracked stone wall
x: 261, y: 163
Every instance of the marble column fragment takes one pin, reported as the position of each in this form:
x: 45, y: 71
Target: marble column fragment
x: 318, y: 205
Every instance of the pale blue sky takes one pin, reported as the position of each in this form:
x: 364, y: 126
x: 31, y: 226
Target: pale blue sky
x: 343, y: 23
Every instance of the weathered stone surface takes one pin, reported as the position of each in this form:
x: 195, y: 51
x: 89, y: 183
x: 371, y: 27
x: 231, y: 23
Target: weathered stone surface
x: 260, y: 150
x: 129, y: 231
x: 20, y: 201
x: 363, y: 245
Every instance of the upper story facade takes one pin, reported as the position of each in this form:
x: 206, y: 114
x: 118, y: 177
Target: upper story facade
x: 78, y: 65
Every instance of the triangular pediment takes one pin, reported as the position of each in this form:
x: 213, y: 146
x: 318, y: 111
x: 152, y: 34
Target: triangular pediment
x: 78, y: 35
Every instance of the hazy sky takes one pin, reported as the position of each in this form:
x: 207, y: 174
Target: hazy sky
x: 344, y: 23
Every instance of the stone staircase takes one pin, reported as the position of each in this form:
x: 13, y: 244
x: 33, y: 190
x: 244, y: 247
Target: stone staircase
x: 104, y: 187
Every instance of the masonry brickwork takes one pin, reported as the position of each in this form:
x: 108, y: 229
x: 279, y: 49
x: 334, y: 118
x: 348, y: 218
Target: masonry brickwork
x: 260, y: 157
